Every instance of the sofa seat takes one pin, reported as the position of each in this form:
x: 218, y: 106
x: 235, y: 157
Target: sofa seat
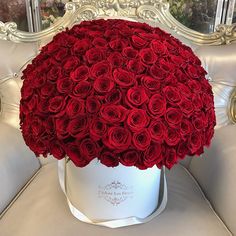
x: 41, y: 209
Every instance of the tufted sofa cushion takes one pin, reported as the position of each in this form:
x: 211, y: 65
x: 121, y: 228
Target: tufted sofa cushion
x: 42, y: 210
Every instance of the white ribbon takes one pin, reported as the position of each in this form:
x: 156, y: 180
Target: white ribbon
x: 62, y: 172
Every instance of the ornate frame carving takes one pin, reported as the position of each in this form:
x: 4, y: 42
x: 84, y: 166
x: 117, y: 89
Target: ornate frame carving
x: 155, y: 11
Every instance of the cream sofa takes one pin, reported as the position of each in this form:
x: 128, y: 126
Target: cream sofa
x: 201, y: 191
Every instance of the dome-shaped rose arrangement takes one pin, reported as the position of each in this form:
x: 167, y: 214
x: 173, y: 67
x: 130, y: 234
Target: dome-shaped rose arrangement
x: 119, y: 91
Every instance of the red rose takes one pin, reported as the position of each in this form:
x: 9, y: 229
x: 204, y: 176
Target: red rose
x: 61, y: 127
x: 157, y: 73
x: 192, y: 71
x: 52, y: 47
x: 186, y: 106
x: 81, y: 46
x: 116, y: 59
x: 113, y: 34
x: 94, y: 55
x: 26, y: 92
x: 151, y: 84
x: 56, y: 104
x: 103, y: 85
x: 152, y: 155
x: 99, y: 42
x: 171, y: 94
x: 42, y: 106
x: 117, y: 44
x: 56, y: 150
x: 148, y: 56
x: 118, y: 138
x: 194, y: 142
x: 123, y: 78
x: 147, y: 36
x: 197, y: 101
x: 206, y: 87
x: 37, y: 126
x: 211, y: 116
x: 54, y: 73
x: 194, y: 85
x: 102, y: 68
x: 135, y: 66
x: 111, y: 113
x: 182, y: 77
x: 137, y: 119
x: 186, y: 127
x: 208, y: 100
x: 157, y: 105
x: 130, y: 52
x: 88, y: 149
x: 38, y: 81
x: 141, y: 139
x: 64, y: 85
x: 73, y: 152
x: 75, y: 107
x: 170, y: 157
x: 77, y: 127
x: 170, y: 47
x: 40, y: 147
x: 157, y: 130
x: 71, y: 63
x: 172, y: 137
x: 179, y: 61
x: 81, y: 73
x: 32, y: 104
x: 138, y: 42
x: 198, y: 123
x: 49, y: 125
x: 171, y: 80
x: 109, y: 159
x: 159, y: 47
x: 173, y: 116
x: 97, y: 129
x: 64, y: 39
x: 184, y: 90
x: 130, y: 157
x: 95, y: 33
x: 166, y: 65
x: 92, y: 104
x: 61, y: 54
x: 136, y: 96
x: 114, y: 96
x: 182, y: 150
x: 46, y: 91
x: 82, y: 89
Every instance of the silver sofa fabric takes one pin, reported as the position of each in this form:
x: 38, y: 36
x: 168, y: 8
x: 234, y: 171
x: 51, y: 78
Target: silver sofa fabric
x: 42, y: 210
x: 17, y: 164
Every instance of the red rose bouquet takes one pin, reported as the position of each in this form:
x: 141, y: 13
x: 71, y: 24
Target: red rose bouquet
x: 119, y: 91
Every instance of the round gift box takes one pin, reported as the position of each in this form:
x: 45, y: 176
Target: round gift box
x: 102, y: 193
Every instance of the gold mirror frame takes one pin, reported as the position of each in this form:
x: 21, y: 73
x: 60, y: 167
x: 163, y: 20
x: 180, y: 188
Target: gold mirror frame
x: 151, y: 10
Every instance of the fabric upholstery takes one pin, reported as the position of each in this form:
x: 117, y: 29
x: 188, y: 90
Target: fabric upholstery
x: 17, y: 164
x: 42, y: 210
x: 13, y: 57
x: 219, y: 61
x: 216, y: 173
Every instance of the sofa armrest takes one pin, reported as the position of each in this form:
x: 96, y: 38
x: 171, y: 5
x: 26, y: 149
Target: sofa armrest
x: 216, y: 173
x: 17, y: 164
